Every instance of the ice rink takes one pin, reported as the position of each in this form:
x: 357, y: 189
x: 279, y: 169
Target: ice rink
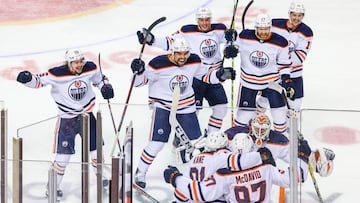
x: 35, y: 36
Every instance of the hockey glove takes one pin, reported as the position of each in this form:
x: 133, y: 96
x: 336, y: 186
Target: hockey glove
x: 24, y: 77
x: 170, y: 175
x: 288, y: 84
x: 107, y: 91
x: 231, y: 51
x: 138, y: 66
x: 304, y: 150
x: 266, y: 156
x: 225, y: 73
x: 149, y: 38
x: 230, y: 35
x: 321, y: 160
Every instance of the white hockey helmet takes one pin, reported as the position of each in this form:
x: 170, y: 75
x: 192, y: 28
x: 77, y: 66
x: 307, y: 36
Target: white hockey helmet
x: 216, y: 140
x: 260, y: 127
x: 203, y: 12
x: 179, y: 45
x: 262, y: 20
x: 242, y: 143
x: 297, y: 7
x: 73, y: 55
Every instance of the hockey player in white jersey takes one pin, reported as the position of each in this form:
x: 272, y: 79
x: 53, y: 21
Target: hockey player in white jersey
x: 251, y: 185
x: 72, y: 92
x: 300, y: 38
x: 260, y: 130
x: 219, y: 153
x: 204, y: 39
x: 162, y: 74
x: 264, y: 59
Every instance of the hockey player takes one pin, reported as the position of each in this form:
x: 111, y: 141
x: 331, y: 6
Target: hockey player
x: 204, y: 39
x: 162, y: 74
x: 216, y: 155
x: 71, y: 90
x: 251, y: 185
x: 300, y: 38
x: 264, y: 59
x: 321, y: 159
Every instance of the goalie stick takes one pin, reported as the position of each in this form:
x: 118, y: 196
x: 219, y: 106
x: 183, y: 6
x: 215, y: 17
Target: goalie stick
x: 179, y: 131
x: 277, y: 87
x: 133, y: 80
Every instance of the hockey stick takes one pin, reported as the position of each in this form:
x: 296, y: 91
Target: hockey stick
x: 179, y: 131
x: 133, y: 78
x: 232, y: 25
x: 277, y: 87
x: 110, y: 110
x: 144, y: 193
x: 244, y: 14
x: 315, y: 183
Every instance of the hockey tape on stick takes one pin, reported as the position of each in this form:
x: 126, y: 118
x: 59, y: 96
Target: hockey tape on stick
x: 179, y: 131
x: 244, y: 14
x: 133, y: 80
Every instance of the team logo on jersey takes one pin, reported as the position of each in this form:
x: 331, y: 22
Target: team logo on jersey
x: 181, y: 80
x: 259, y: 59
x: 208, y: 48
x: 77, y: 90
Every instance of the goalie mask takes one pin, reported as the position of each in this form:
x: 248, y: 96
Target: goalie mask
x: 260, y: 128
x: 215, y: 140
x: 242, y: 143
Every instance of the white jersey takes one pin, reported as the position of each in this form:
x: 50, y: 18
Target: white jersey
x: 205, y: 44
x: 252, y: 185
x: 262, y: 61
x: 300, y: 40
x: 207, y: 163
x: 162, y: 75
x: 72, y: 94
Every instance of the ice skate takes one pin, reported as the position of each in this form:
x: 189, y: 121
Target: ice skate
x: 140, y: 179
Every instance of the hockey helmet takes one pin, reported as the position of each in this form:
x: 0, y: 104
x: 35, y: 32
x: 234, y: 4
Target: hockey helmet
x: 180, y: 45
x: 73, y: 55
x: 297, y: 7
x: 260, y: 127
x: 242, y: 143
x: 263, y: 20
x: 203, y: 12
x: 216, y: 140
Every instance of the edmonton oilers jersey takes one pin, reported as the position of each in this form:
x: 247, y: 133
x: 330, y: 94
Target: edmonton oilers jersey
x: 205, y: 44
x: 262, y: 61
x: 72, y: 94
x: 300, y: 41
x: 162, y: 75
